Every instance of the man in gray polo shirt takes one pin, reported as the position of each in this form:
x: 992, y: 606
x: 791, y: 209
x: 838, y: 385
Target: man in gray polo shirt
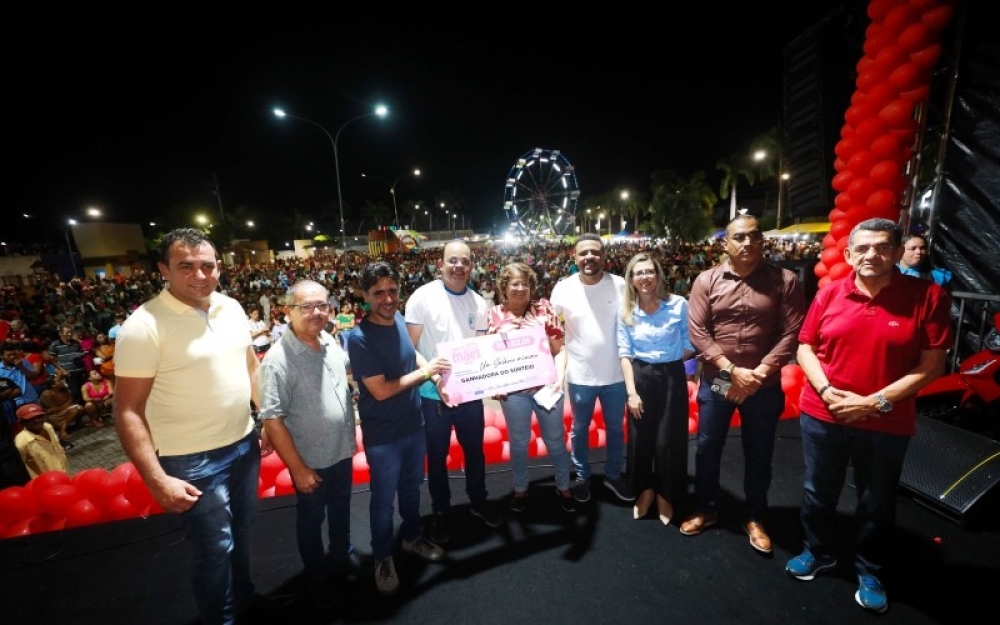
x: 308, y: 415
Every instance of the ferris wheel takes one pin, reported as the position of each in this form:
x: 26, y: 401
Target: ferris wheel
x: 541, y: 194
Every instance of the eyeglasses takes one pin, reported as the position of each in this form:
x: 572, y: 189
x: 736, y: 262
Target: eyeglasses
x: 755, y: 237
x: 880, y: 248
x: 311, y: 306
x: 644, y: 273
x: 455, y: 261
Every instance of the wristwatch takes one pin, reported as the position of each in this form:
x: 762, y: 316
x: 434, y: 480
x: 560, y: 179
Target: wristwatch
x: 884, y: 405
x: 727, y: 373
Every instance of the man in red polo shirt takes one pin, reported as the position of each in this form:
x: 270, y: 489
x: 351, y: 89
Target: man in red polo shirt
x: 869, y: 343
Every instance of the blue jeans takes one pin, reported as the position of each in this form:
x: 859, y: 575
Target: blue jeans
x: 331, y: 501
x: 581, y: 401
x: 468, y: 420
x: 759, y: 415
x: 218, y: 525
x: 877, y: 459
x: 396, y: 467
x: 517, y: 409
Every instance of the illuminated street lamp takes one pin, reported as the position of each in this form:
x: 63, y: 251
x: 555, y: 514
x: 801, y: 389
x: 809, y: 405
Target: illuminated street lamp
x: 380, y: 111
x: 70, y: 222
x: 392, y: 189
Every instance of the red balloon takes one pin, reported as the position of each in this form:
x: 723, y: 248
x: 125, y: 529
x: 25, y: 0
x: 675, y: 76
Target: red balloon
x: 492, y: 443
x: 840, y: 228
x: 880, y: 95
x: 836, y: 214
x: 846, y: 147
x: 137, y: 492
x: 830, y: 256
x: 283, y: 484
x: 899, y: 17
x: 829, y: 240
x: 857, y: 213
x: 359, y: 464
x: 791, y: 386
x: 25, y: 527
x: 124, y: 469
x: 889, y: 58
x: 825, y: 280
x: 871, y: 129
x: 119, y: 509
x: 17, y: 504
x: 915, y: 36
x: 270, y: 466
x: 91, y: 481
x: 111, y: 487
x: 839, y: 270
x: 843, y: 180
x: 908, y: 76
x: 56, y: 500
x: 842, y: 201
x: 862, y: 162
x: 49, y: 479
x: 839, y: 164
x: 266, y: 493
x: 919, y: 94
x: 359, y: 438
x: 843, y: 242
x: 860, y: 189
x: 939, y: 17
x: 874, y: 43
x: 884, y: 172
x: 794, y: 371
x: 886, y: 145
x: 897, y: 113
x: 881, y: 200
x: 864, y: 63
x: 819, y: 269
x: 83, y: 512
x: 878, y: 9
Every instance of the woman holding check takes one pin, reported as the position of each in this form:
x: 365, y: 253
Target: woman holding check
x: 518, y: 308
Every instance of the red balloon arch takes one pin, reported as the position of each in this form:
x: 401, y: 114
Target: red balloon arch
x: 902, y: 45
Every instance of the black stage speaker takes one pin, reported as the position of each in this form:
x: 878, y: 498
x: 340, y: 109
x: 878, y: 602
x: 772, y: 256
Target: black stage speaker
x: 954, y: 472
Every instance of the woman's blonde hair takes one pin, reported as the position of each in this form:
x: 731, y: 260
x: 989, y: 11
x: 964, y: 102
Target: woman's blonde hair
x: 631, y: 293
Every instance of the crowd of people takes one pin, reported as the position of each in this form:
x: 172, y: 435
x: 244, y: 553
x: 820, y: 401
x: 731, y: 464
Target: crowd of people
x: 280, y: 344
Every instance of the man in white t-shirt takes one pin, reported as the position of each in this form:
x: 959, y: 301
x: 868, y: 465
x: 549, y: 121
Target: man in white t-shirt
x: 448, y: 310
x: 589, y: 302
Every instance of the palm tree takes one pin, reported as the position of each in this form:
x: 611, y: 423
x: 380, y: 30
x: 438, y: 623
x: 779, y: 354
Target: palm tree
x: 682, y: 208
x: 733, y: 168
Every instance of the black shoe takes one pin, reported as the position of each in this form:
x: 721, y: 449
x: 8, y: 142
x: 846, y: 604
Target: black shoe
x: 355, y: 565
x: 272, y: 602
x: 519, y: 503
x: 66, y: 445
x: 487, y: 513
x: 439, y: 528
x: 567, y: 501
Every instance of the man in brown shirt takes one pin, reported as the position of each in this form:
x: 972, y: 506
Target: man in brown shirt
x: 744, y: 319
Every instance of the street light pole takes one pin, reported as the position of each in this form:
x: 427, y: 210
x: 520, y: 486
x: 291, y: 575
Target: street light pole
x: 392, y: 190
x: 380, y: 111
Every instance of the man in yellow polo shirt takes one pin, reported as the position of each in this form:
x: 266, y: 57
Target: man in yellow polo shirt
x: 185, y: 378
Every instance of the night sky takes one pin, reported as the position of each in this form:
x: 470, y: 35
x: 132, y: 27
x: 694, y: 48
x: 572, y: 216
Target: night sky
x: 140, y: 116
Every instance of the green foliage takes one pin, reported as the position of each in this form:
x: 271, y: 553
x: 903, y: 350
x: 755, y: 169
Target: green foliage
x: 681, y: 209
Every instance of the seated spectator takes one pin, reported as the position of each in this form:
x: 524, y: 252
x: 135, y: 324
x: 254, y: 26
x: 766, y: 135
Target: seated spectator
x: 61, y: 409
x: 98, y: 396
x: 103, y: 355
x: 38, y: 443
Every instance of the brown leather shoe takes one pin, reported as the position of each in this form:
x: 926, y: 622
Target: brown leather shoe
x: 697, y: 522
x: 759, y: 539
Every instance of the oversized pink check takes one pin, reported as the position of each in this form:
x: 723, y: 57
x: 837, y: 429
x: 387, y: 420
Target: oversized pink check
x: 495, y: 364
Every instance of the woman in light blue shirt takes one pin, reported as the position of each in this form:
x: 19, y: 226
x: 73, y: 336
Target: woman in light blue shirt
x: 653, y: 344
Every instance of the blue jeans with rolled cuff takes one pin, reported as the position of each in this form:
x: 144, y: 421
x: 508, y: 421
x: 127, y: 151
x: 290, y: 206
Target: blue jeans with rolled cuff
x: 582, y: 400
x: 218, y: 525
